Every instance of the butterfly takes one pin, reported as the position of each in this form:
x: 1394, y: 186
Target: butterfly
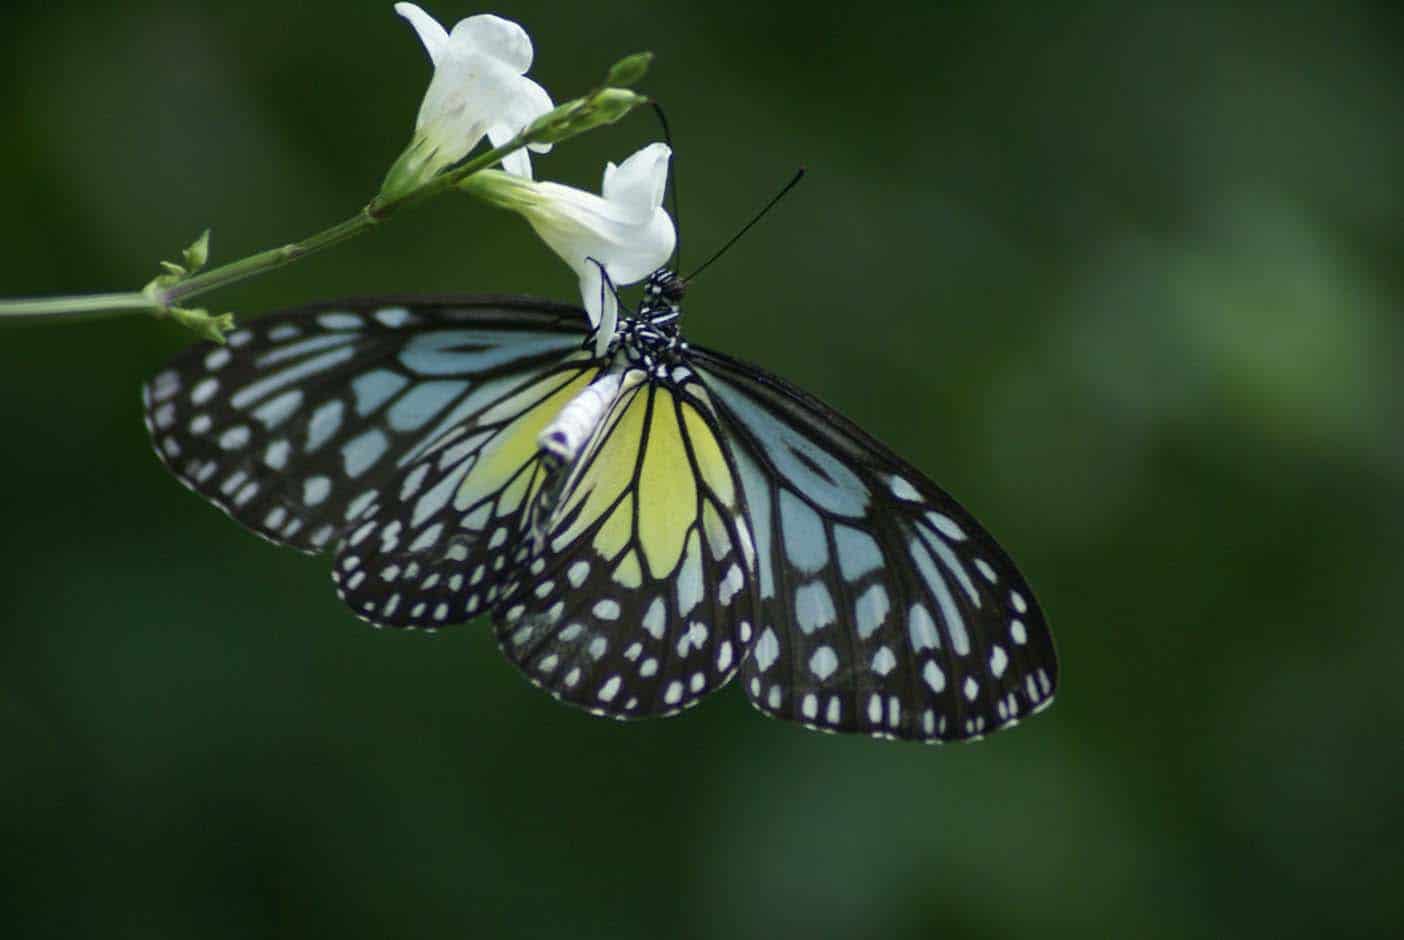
x: 641, y: 525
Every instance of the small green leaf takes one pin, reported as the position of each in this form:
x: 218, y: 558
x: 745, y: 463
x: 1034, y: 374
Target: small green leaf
x: 198, y: 253
x: 173, y: 269
x: 211, y: 326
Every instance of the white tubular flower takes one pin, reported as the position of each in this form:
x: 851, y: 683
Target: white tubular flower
x: 625, y: 231
x: 479, y: 88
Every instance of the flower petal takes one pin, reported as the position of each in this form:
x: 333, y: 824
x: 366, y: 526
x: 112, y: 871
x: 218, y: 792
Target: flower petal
x: 599, y: 301
x: 493, y: 36
x: 615, y: 239
x: 518, y: 163
x: 467, y: 94
x: 529, y: 102
x: 434, y: 37
x: 637, y: 185
x: 645, y: 251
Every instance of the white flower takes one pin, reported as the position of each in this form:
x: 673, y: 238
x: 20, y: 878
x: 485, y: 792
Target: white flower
x: 626, y: 231
x: 479, y: 88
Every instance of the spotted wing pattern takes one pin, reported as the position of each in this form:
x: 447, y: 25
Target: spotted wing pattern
x: 885, y: 608
x: 435, y: 544
x: 296, y: 425
x: 638, y: 598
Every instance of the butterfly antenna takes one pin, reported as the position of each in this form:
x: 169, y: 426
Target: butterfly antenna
x: 672, y: 185
x: 794, y: 181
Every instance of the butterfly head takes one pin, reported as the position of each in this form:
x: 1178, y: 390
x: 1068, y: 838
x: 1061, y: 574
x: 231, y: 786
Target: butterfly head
x: 662, y: 298
x: 664, y: 288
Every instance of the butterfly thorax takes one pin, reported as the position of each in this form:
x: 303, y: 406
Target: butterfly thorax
x: 650, y: 339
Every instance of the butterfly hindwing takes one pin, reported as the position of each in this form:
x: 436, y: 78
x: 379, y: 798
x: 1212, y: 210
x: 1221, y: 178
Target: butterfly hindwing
x: 295, y: 425
x: 435, y: 544
x: 886, y: 609
x: 639, y: 596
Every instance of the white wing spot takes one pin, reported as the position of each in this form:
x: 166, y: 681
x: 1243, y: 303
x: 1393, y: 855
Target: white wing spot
x: 730, y: 584
x: 934, y: 676
x: 655, y: 617
x: 235, y: 437
x: 998, y: 661
x: 814, y: 608
x: 767, y: 650
x: 610, y: 689
x: 972, y: 689
x: 823, y: 663
x: 946, y: 526
x: 1017, y: 633
x: 904, y: 490
x: 883, y: 661
x: 203, y: 392
x: 922, y: 629
x: 871, y: 610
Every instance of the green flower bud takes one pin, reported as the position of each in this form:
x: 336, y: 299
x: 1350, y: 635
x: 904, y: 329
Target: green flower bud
x: 630, y: 70
x: 610, y: 104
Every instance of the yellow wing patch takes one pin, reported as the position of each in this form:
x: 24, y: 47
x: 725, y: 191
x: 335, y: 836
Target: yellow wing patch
x: 514, y: 445
x: 640, y: 600
x: 608, y: 473
x: 667, y: 488
x: 663, y: 439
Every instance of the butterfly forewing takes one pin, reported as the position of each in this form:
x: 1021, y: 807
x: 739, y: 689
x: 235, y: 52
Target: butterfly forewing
x: 295, y: 425
x: 638, y: 597
x: 886, y: 608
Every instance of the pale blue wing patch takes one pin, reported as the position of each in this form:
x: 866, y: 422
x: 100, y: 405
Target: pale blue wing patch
x: 294, y: 426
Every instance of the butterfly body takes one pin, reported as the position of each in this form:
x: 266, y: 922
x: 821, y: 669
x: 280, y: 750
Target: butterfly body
x: 641, y: 525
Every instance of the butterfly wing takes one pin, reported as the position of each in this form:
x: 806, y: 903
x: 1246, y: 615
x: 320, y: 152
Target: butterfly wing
x: 328, y: 425
x: 638, y: 599
x: 886, y: 608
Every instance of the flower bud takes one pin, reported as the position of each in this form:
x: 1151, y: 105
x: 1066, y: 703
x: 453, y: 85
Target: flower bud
x: 630, y: 70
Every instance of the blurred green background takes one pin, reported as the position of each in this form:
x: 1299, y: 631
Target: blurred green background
x: 1125, y: 278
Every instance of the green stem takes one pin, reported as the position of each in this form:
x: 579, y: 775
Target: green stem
x: 369, y: 217
x: 83, y: 306
x: 161, y: 297
x: 265, y: 261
